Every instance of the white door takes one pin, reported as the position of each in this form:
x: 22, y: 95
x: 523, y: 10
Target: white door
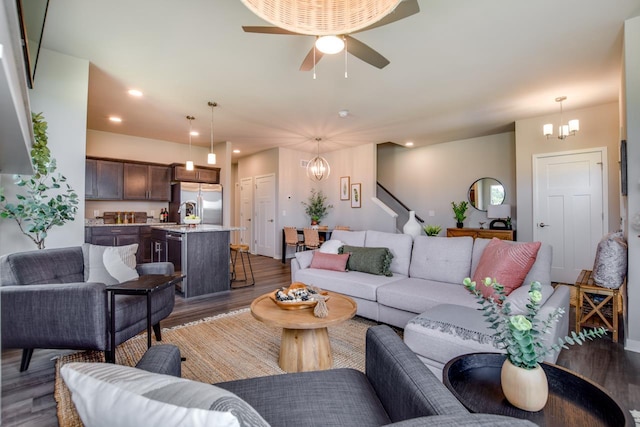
x: 265, y: 214
x: 246, y: 212
x: 569, y: 208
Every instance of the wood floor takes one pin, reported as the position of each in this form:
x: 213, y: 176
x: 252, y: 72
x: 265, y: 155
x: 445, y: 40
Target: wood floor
x: 27, y: 398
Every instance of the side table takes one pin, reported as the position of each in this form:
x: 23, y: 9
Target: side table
x: 144, y: 285
x: 596, y: 305
x: 474, y: 379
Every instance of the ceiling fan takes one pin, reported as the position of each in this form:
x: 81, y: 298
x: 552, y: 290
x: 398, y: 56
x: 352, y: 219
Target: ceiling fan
x: 355, y: 47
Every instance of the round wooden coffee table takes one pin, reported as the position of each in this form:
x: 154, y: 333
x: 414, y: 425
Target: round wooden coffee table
x: 304, y: 345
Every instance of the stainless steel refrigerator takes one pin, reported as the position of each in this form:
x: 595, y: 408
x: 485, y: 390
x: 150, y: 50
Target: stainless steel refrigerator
x: 192, y: 198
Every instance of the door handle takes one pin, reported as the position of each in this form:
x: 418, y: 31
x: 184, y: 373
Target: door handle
x: 270, y: 220
x: 249, y: 219
x: 543, y: 225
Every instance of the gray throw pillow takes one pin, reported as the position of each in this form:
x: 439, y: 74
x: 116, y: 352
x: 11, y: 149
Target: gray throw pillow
x: 368, y: 260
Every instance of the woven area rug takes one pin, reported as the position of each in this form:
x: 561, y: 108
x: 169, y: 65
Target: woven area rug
x: 222, y: 348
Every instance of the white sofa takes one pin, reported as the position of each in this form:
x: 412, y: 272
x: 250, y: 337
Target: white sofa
x: 427, y: 273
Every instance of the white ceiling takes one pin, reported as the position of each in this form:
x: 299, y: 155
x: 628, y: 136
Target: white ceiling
x: 459, y: 69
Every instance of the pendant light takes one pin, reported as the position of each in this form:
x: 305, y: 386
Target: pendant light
x: 318, y: 168
x: 189, y: 164
x: 211, y: 158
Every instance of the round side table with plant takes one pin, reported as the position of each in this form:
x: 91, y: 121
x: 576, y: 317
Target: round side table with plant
x: 523, y: 380
x: 316, y: 206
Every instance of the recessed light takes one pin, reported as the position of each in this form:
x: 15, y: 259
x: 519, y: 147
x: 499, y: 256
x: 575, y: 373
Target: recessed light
x: 135, y: 92
x: 343, y: 113
x: 194, y: 133
x: 236, y: 151
x: 115, y: 119
x: 408, y: 144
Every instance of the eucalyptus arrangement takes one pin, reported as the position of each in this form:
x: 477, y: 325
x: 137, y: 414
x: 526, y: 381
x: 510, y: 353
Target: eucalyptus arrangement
x: 316, y: 207
x: 521, y: 334
x: 459, y: 210
x: 46, y: 203
x: 432, y: 230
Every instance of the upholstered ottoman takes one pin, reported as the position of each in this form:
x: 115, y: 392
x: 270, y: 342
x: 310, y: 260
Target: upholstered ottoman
x: 447, y: 331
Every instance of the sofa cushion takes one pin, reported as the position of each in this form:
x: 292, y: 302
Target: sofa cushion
x: 507, y: 263
x: 331, y: 246
x: 106, y: 395
x: 398, y: 244
x: 94, y: 268
x: 368, y: 260
x: 443, y: 259
x: 353, y: 238
x: 326, y: 261
x: 417, y: 295
x: 519, y: 298
x: 116, y: 267
x: 60, y: 265
x: 337, y: 397
x: 351, y: 283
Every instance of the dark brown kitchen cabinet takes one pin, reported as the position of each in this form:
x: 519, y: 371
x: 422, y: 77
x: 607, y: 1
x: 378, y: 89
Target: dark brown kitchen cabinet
x: 145, y: 249
x: 147, y: 182
x: 198, y: 174
x: 103, y: 180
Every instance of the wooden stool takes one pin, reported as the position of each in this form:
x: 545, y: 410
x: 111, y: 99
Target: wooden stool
x: 591, y: 304
x: 243, y: 250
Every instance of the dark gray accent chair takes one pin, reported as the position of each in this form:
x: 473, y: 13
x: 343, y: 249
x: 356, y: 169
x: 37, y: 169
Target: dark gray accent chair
x: 46, y: 303
x: 397, y: 389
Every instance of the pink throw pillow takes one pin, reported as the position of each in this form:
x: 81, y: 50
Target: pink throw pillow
x: 507, y: 262
x: 336, y: 262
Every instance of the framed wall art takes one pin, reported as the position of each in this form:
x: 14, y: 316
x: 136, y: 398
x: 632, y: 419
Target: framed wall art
x: 344, y: 188
x: 356, y: 195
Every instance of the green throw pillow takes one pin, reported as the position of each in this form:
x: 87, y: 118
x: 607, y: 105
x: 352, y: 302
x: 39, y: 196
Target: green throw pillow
x: 368, y: 260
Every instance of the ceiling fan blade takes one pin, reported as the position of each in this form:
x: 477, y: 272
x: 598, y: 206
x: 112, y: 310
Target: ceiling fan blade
x: 267, y: 30
x: 403, y: 10
x: 365, y: 53
x: 308, y: 64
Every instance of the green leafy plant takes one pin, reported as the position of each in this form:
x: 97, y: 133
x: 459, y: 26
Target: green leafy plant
x: 521, y: 334
x: 316, y: 207
x: 45, y: 203
x: 432, y: 230
x: 459, y: 210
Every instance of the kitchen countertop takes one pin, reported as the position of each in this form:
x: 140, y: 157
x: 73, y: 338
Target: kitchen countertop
x: 99, y: 223
x: 200, y: 228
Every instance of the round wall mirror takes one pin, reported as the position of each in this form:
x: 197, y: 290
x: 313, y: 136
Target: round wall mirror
x: 486, y: 191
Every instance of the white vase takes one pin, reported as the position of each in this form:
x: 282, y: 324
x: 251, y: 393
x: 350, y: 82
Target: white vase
x: 526, y: 389
x: 412, y: 227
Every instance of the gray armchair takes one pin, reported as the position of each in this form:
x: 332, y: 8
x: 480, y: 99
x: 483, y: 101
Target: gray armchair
x: 46, y: 303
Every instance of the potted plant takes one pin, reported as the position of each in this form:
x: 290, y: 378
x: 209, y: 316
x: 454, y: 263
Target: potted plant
x: 45, y: 203
x: 523, y: 380
x: 459, y: 210
x: 316, y: 207
x: 432, y: 230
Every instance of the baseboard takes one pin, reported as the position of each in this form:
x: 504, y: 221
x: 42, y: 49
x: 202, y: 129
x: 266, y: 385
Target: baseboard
x: 632, y: 345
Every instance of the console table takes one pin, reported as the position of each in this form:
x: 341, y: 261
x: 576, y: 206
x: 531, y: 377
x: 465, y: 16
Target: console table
x: 482, y: 233
x: 474, y: 379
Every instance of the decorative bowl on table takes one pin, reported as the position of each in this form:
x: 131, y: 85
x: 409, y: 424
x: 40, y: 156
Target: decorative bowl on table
x: 297, y: 296
x: 192, y: 222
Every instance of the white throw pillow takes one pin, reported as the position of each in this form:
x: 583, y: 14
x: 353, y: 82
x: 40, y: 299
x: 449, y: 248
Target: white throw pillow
x: 304, y: 258
x: 116, y: 267
x: 94, y: 268
x: 112, y: 395
x: 331, y: 246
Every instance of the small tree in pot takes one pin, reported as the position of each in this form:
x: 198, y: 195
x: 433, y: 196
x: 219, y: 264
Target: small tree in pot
x: 45, y: 203
x: 316, y: 207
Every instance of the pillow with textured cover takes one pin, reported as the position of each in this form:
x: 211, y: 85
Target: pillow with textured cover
x: 368, y: 260
x: 507, y: 262
x: 336, y: 262
x: 112, y: 395
x: 610, y: 266
x: 94, y: 267
x: 116, y: 267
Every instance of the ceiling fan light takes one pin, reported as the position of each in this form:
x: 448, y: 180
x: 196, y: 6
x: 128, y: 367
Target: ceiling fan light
x: 330, y: 44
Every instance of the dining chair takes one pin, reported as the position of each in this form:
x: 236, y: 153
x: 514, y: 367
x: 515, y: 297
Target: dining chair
x: 291, y: 238
x: 311, y: 238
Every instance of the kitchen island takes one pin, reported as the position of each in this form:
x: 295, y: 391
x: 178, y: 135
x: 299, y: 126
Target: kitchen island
x: 200, y: 252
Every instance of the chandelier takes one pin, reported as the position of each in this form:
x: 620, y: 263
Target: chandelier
x: 318, y: 168
x: 564, y: 131
x: 321, y: 17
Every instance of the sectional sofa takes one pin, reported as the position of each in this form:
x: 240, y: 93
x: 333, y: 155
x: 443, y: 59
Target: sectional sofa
x: 425, y: 295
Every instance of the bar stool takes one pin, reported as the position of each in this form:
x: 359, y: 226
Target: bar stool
x: 243, y: 250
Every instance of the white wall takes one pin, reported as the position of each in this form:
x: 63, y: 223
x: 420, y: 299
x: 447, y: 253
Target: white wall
x: 599, y: 127
x: 631, y: 86
x: 430, y: 178
x: 60, y: 93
